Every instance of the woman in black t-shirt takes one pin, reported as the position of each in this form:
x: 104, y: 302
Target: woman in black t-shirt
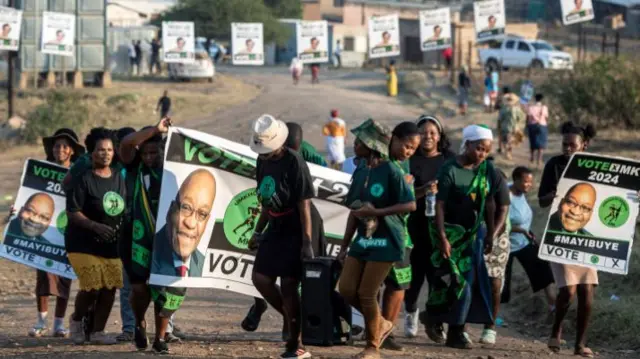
x: 284, y: 192
x: 95, y: 207
x: 424, y: 166
x: 570, y: 279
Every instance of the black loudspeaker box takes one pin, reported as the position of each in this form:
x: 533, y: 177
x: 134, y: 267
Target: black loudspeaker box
x: 326, y: 318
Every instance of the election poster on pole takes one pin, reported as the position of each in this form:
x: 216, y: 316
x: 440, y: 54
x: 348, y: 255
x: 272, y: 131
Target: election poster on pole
x: 218, y: 178
x: 489, y: 19
x: 576, y: 11
x: 312, y: 39
x: 178, y: 41
x: 593, y: 217
x: 11, y: 23
x: 247, y: 43
x: 34, y: 236
x: 435, y: 29
x: 58, y: 33
x: 384, y: 36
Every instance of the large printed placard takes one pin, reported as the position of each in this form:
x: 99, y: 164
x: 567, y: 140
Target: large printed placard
x: 384, y: 36
x: 221, y: 175
x: 58, y: 33
x: 435, y: 29
x: 593, y: 217
x: 247, y: 43
x: 489, y: 19
x: 178, y: 41
x: 312, y: 38
x: 576, y: 11
x: 10, y: 25
x: 35, y: 235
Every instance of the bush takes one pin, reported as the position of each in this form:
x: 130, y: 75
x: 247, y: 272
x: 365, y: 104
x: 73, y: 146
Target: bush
x: 62, y: 109
x: 122, y: 100
x: 604, y: 92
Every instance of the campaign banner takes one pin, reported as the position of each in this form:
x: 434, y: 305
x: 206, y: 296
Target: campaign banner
x: 34, y: 236
x: 435, y: 29
x: 11, y: 23
x: 489, y: 19
x: 593, y: 217
x: 247, y: 43
x: 178, y: 41
x: 384, y: 36
x: 576, y: 11
x: 312, y: 39
x: 58, y: 33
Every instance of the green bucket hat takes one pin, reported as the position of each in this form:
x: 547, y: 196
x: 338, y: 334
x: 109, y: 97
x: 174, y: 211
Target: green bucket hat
x: 374, y: 135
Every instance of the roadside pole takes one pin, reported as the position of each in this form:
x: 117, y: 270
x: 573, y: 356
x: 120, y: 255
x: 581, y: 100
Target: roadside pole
x: 10, y: 75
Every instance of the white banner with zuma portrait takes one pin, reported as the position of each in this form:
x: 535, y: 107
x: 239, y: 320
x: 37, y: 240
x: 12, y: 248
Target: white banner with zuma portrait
x: 208, y: 210
x: 593, y: 217
x: 34, y: 236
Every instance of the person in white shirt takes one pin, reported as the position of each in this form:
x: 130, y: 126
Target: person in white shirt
x: 335, y: 131
x: 132, y: 56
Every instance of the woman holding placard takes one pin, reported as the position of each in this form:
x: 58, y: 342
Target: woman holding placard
x: 62, y: 149
x: 570, y: 279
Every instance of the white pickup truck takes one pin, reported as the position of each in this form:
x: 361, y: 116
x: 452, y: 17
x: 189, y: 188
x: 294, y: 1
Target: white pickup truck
x: 522, y: 53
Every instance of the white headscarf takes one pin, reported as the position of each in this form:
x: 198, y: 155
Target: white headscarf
x: 475, y: 133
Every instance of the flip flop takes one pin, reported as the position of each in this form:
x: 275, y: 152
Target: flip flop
x: 584, y: 352
x: 554, y: 344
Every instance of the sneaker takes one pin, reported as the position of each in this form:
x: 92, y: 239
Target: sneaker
x: 411, y: 324
x: 488, y: 336
x: 300, y: 353
x: 467, y: 337
x: 171, y: 338
x: 252, y: 320
x: 37, y: 332
x: 391, y: 344
x: 160, y: 347
x: 76, y: 331
x: 140, y: 338
x: 458, y: 341
x: 177, y: 332
x: 102, y: 338
x: 125, y: 337
x: 60, y: 333
x: 436, y: 333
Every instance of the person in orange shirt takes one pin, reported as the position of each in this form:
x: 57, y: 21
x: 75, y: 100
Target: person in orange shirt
x: 335, y: 131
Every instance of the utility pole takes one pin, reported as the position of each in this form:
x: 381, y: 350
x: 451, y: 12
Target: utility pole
x: 10, y: 57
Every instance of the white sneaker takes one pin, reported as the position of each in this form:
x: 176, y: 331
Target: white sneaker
x: 76, y: 331
x: 411, y: 321
x: 102, y: 338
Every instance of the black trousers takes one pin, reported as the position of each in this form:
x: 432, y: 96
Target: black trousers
x: 421, y: 266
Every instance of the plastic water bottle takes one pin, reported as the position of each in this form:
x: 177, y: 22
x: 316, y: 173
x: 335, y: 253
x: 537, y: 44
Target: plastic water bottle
x: 430, y: 201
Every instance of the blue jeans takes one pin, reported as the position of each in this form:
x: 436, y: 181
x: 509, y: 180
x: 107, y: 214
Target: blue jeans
x: 126, y: 313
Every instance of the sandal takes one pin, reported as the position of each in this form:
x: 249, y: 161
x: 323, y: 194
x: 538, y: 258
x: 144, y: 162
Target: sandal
x: 386, y: 327
x: 584, y: 352
x: 252, y: 320
x: 554, y: 344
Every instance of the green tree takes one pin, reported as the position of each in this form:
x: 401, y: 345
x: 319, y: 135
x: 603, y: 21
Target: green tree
x: 285, y: 9
x: 213, y: 18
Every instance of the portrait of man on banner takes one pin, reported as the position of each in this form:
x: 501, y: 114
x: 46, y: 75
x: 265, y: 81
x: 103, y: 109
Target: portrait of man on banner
x: 574, y: 210
x: 33, y: 218
x: 176, y: 245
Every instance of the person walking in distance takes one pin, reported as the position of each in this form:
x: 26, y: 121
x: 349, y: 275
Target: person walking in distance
x: 138, y: 49
x: 537, y: 117
x: 335, y: 132
x: 132, y: 56
x: 338, y: 54
x: 155, y: 57
x: 164, y: 105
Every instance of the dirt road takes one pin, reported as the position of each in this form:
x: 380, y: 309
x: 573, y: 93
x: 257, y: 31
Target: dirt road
x: 211, y: 318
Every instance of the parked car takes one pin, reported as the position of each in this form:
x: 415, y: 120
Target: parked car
x: 523, y: 53
x: 201, y: 68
